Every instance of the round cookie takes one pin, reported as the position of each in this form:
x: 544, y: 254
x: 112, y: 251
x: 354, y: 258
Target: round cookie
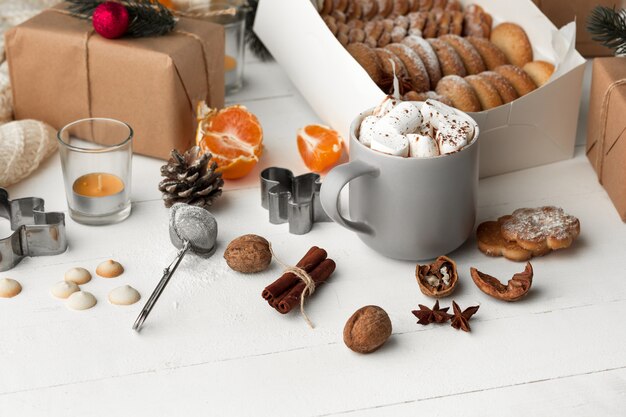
x: 64, y: 289
x: 505, y: 89
x: 78, y: 276
x: 397, y: 34
x: 454, y: 6
x: 331, y: 23
x: 356, y: 35
x: 124, y: 296
x: 367, y: 58
x: 417, y: 20
x: 491, y: 243
x: 469, y: 55
x: 402, y: 21
x: 400, y: 7
x: 385, y: 57
x: 432, y: 23
x: 460, y: 92
x: 521, y: 81
x: 415, y: 96
x: 340, y: 5
x: 9, y: 288
x: 339, y: 16
x: 485, y: 91
x: 444, y: 23
x: 492, y: 56
x: 539, y: 71
x: 354, y: 11
x: 384, y: 40
x: 449, y: 61
x: 428, y: 56
x: 425, y: 5
x: 326, y: 7
x: 370, y: 9
x: 414, y: 66
x: 456, y: 23
x: 110, y: 269
x: 513, y: 42
x: 541, y: 227
x: 80, y: 300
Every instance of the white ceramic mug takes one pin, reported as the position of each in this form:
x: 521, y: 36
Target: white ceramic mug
x: 406, y: 208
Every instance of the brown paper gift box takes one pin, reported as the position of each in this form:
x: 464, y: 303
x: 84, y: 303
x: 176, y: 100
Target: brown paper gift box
x: 562, y: 12
x: 606, y: 128
x: 62, y: 71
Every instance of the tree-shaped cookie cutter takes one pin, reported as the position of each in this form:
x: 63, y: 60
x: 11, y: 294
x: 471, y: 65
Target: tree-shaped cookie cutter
x: 35, y: 232
x: 292, y: 199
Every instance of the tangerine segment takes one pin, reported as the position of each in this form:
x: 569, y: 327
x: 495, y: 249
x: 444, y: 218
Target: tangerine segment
x: 320, y: 147
x: 233, y: 136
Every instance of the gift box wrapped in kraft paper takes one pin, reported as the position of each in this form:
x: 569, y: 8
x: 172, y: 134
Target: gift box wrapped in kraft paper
x: 62, y: 71
x: 561, y: 12
x: 535, y: 129
x: 606, y: 128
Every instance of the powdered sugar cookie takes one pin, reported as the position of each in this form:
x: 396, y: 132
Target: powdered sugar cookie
x: 110, y: 269
x: 428, y: 56
x: 124, y: 295
x: 492, y: 243
x: 521, y: 81
x: 485, y: 91
x: 78, y: 276
x: 64, y: 289
x: 449, y: 60
x: 504, y: 87
x: 472, y: 60
x: 539, y: 228
x: 492, y: 56
x: 9, y: 288
x: 460, y: 92
x: 413, y: 64
x: 367, y: 58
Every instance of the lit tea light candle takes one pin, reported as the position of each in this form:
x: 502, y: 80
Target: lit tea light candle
x: 230, y: 63
x: 99, y: 193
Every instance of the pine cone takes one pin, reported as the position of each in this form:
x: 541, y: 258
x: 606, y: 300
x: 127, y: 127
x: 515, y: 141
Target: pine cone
x: 191, y: 179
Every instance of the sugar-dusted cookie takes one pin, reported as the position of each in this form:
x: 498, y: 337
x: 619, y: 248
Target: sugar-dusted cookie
x: 370, y: 8
x: 454, y: 6
x: 543, y: 227
x: 492, y: 56
x: 504, y: 87
x: 444, y: 23
x: 425, y: 5
x: 456, y: 23
x: 469, y: 55
x: 401, y: 7
x: 367, y: 58
x: 354, y: 10
x: 521, y: 81
x: 77, y: 275
x: 326, y: 7
x: 428, y: 56
x: 492, y: 243
x: 514, y: 42
x: 414, y: 66
x: 432, y: 23
x: 356, y: 35
x: 485, y: 91
x: 385, y: 7
x: 417, y: 20
x: 449, y: 61
x: 9, y: 288
x: 539, y: 71
x: 385, y: 58
x: 110, y: 269
x: 460, y: 92
x: 340, y: 5
x: 415, y: 96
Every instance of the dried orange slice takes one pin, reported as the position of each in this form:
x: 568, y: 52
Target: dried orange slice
x: 233, y: 136
x: 319, y: 146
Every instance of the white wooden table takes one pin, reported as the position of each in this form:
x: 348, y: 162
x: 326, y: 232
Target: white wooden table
x: 213, y: 347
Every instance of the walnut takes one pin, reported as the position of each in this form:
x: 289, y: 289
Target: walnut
x: 438, y: 279
x: 516, y: 288
x: 367, y: 329
x: 248, y: 254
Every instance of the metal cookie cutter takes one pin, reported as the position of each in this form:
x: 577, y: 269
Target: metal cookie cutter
x: 292, y: 199
x: 36, y: 233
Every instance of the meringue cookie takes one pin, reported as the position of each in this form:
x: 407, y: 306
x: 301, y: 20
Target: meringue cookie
x: 368, y: 130
x: 64, y: 289
x: 9, y: 288
x: 391, y: 144
x: 404, y: 118
x: 450, y: 138
x: 81, y: 300
x: 124, y: 296
x: 109, y: 269
x: 422, y: 146
x: 385, y: 106
x: 78, y: 276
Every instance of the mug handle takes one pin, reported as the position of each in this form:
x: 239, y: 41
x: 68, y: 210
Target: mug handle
x: 332, y: 185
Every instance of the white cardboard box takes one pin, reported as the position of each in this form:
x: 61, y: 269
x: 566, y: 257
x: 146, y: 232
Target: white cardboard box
x: 536, y: 129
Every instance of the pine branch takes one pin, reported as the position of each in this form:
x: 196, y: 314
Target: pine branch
x: 608, y: 26
x: 147, y: 17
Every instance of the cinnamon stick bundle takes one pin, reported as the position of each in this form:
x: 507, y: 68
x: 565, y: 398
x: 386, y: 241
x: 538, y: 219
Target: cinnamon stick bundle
x: 285, y: 293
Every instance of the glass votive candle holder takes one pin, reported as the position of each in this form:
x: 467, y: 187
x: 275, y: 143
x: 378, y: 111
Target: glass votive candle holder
x: 97, y: 173
x: 231, y: 14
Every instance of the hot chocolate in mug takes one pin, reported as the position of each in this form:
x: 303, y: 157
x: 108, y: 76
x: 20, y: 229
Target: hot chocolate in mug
x: 406, y: 208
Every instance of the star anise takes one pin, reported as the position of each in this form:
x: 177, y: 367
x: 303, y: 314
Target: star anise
x: 434, y: 315
x: 403, y: 82
x: 460, y: 320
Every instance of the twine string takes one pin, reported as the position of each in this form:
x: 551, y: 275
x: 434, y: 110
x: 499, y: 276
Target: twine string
x: 604, y: 116
x: 309, y: 284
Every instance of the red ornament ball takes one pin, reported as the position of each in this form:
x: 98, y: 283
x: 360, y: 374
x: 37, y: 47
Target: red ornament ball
x: 110, y: 19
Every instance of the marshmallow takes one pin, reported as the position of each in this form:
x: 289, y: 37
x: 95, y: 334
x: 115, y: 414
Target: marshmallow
x: 367, y: 130
x: 450, y: 138
x: 422, y: 146
x: 391, y: 144
x: 404, y: 118
x: 385, y: 106
x: 437, y: 114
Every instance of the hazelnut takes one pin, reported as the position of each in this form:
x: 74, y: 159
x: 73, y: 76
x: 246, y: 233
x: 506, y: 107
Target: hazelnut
x: 367, y: 329
x: 438, y: 279
x: 248, y: 254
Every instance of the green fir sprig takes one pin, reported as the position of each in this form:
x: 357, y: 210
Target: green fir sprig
x: 146, y: 17
x: 608, y: 26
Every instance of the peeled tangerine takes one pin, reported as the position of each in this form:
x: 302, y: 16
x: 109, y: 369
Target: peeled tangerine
x: 233, y: 136
x: 319, y: 146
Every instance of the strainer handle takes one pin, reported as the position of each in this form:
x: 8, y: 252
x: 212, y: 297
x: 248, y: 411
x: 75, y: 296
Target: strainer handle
x: 167, y: 274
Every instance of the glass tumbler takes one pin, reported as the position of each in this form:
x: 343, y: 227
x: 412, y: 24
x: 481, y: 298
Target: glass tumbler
x: 97, y: 173
x: 234, y: 34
